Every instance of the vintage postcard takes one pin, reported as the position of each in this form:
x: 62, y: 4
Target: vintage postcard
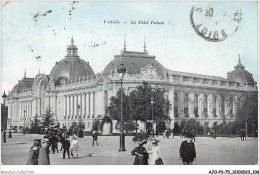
x: 129, y: 83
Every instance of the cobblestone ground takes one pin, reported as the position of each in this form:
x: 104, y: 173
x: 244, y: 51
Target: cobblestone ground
x: 220, y: 151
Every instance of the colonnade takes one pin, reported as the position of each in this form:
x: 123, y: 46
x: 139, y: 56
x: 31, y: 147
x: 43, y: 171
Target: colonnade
x: 204, y: 105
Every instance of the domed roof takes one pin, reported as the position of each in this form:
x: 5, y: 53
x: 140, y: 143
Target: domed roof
x: 135, y: 63
x: 240, y: 75
x: 71, y: 67
x: 23, y: 85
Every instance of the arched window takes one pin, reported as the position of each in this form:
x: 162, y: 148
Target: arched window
x: 186, y: 109
x: 214, y: 103
x: 205, y: 106
x: 196, y: 106
x: 175, y: 104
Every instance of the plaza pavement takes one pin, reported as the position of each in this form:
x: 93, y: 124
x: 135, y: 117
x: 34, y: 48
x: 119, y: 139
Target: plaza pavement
x: 220, y: 151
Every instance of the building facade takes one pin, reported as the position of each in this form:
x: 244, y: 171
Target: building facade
x: 73, y: 92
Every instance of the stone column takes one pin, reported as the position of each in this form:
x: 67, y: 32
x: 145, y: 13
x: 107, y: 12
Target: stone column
x: 81, y: 106
x: 210, y: 105
x: 171, y: 112
x: 218, y: 106
x: 191, y: 105
x: 201, y: 105
x: 91, y: 105
x: 94, y: 103
x: 72, y: 104
x: 180, y: 103
x: 235, y: 101
x: 65, y: 105
x: 84, y: 104
x: 69, y: 105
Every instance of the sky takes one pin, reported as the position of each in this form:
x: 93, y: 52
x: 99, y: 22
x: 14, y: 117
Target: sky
x: 36, y: 42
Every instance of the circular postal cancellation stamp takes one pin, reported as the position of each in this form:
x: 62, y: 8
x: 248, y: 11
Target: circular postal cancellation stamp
x: 214, y: 24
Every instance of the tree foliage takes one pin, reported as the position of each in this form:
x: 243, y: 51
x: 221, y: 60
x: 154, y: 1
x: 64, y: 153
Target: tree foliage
x: 248, y: 113
x: 47, y: 119
x: 141, y: 107
x: 137, y: 106
x: 114, y: 108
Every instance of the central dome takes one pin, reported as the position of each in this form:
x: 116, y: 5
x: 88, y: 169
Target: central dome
x: 71, y: 67
x: 240, y: 75
x: 135, y: 63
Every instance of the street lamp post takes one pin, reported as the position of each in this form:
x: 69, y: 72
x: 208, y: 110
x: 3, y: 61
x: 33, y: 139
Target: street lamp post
x: 24, y: 122
x: 121, y: 70
x: 152, y: 101
x: 4, y: 132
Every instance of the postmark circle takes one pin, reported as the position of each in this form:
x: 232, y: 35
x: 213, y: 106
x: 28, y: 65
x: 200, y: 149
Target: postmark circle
x: 214, y: 24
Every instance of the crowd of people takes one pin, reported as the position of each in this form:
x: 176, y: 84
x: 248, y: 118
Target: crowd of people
x: 41, y: 148
x: 146, y: 153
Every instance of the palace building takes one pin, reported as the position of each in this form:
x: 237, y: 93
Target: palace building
x: 74, y: 92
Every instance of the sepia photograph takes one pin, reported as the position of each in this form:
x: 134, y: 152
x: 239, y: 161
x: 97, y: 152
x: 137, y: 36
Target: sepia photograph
x: 129, y: 83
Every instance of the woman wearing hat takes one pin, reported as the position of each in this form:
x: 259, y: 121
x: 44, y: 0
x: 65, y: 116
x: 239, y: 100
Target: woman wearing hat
x: 34, y: 153
x: 74, y: 147
x: 155, y: 156
x: 187, y: 150
x: 44, y: 158
x: 141, y: 156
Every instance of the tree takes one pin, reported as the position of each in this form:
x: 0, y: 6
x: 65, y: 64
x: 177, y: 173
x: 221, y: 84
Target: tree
x: 247, y: 113
x: 47, y: 119
x: 114, y: 108
x: 141, y: 107
x: 35, y: 125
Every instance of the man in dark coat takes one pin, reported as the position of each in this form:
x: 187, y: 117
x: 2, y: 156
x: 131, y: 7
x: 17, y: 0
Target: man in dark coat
x: 55, y: 143
x: 187, y: 150
x: 66, y: 148
x: 44, y: 158
x: 243, y: 134
x: 193, y: 134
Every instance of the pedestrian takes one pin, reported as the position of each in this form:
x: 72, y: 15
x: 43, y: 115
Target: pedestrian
x: 95, y: 137
x: 193, y: 134
x: 10, y: 133
x: 34, y: 153
x: 55, y: 141
x: 44, y: 158
x: 243, y: 134
x: 155, y: 156
x: 187, y: 150
x: 66, y: 148
x: 141, y: 155
x: 62, y: 139
x: 74, y: 147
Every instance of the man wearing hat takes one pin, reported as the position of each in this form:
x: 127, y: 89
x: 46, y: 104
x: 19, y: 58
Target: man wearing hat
x: 187, y: 150
x: 34, y: 153
x: 44, y: 158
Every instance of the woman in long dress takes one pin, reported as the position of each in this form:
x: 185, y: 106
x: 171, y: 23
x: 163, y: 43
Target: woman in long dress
x: 141, y: 156
x: 74, y: 147
x: 34, y: 153
x: 155, y: 155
